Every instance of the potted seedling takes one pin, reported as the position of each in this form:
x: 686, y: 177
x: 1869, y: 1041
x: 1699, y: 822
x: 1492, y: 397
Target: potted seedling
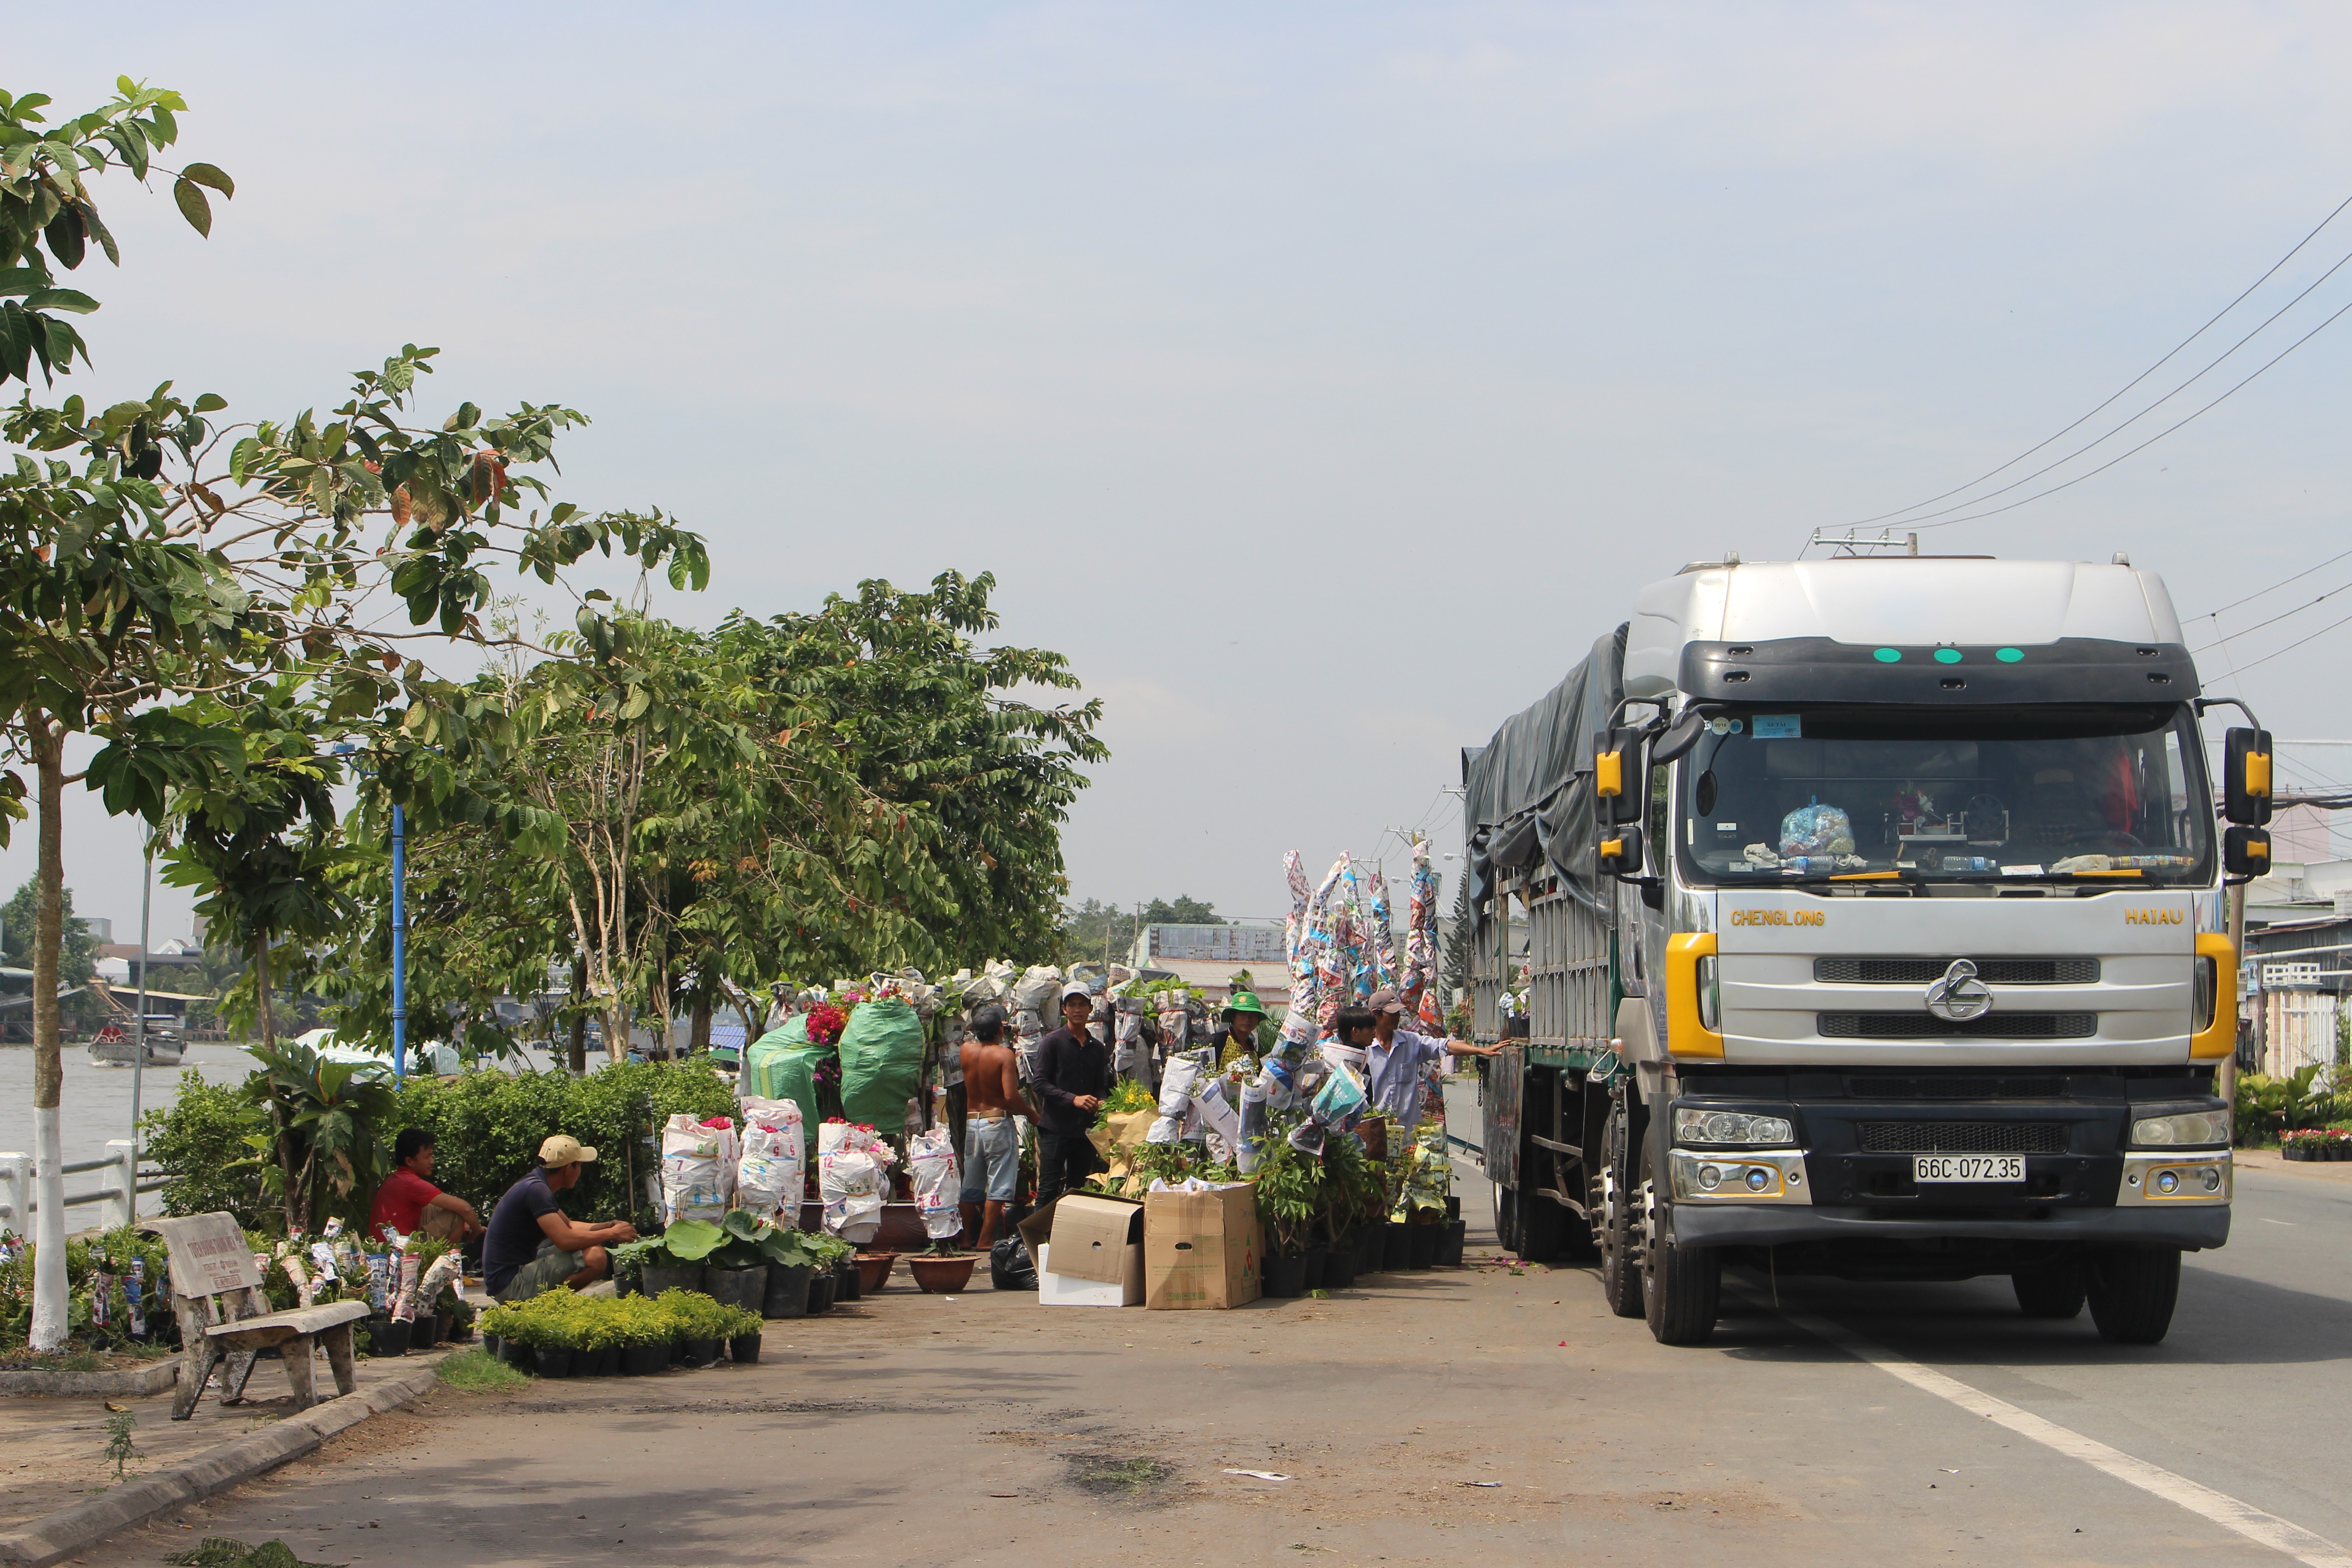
x: 678, y: 1260
x: 1288, y: 1184
x: 829, y: 1266
x: 742, y: 1336
x: 698, y: 1325
x: 642, y: 1331
x: 629, y: 1259
x: 793, y: 1258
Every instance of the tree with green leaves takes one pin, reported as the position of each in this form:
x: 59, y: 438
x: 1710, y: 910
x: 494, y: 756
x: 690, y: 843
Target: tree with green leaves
x: 150, y: 559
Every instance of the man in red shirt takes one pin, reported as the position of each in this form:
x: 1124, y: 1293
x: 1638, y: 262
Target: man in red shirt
x: 408, y: 1202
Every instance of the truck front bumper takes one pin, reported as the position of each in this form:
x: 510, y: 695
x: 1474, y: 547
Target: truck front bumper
x: 1769, y: 1225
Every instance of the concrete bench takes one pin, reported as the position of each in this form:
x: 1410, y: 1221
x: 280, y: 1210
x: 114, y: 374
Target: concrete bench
x: 223, y: 1315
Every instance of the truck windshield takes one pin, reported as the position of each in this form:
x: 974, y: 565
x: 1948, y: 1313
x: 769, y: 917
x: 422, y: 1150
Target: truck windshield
x: 1946, y: 794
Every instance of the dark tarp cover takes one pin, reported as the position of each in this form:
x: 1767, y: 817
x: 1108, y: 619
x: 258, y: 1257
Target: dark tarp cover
x: 1528, y: 793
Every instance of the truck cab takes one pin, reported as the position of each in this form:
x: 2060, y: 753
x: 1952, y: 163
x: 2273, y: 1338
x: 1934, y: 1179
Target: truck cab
x: 1876, y: 929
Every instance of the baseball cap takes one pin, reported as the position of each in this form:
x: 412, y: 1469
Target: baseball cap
x: 1385, y: 1001
x: 564, y: 1150
x: 1075, y: 989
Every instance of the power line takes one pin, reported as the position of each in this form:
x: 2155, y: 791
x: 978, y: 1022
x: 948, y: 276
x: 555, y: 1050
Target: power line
x: 2144, y: 446
x: 2274, y: 589
x: 2135, y: 381
x: 2290, y: 648
x: 2094, y: 445
x: 2274, y: 620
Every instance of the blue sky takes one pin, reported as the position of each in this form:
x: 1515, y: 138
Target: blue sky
x: 1320, y: 379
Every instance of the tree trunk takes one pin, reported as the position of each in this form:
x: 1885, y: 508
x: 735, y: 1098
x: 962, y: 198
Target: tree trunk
x: 697, y: 1036
x: 49, y: 1325
x: 277, y: 1110
x: 579, y: 1017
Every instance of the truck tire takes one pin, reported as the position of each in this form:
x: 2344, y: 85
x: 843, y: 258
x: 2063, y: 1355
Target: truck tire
x: 1611, y: 1218
x: 2056, y: 1294
x: 1682, y: 1287
x: 2132, y: 1290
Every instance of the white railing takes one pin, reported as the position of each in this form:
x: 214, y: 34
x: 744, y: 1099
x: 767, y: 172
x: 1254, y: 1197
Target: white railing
x: 119, y: 1197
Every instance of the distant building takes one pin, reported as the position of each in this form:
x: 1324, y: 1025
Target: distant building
x: 1213, y: 944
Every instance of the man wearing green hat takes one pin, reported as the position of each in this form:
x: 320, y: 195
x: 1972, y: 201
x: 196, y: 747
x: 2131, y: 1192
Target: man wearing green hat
x: 1237, y: 1035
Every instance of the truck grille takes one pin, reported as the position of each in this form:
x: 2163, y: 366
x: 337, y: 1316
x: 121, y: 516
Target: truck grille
x: 1928, y: 1027
x: 1963, y: 1137
x: 1924, y: 971
x: 1956, y: 1088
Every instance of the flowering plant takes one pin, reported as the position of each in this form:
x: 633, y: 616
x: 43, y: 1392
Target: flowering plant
x: 825, y: 1023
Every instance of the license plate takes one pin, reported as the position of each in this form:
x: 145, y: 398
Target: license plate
x: 1967, y: 1168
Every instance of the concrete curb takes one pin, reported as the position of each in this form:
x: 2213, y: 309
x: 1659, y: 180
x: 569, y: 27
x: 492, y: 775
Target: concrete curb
x: 60, y: 1535
x: 129, y: 1383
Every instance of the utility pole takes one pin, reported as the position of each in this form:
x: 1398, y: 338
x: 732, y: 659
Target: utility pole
x: 139, y: 1031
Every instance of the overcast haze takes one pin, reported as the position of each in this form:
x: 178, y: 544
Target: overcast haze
x: 1321, y: 380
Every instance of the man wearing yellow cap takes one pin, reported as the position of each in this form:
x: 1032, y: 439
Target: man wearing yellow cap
x: 532, y: 1246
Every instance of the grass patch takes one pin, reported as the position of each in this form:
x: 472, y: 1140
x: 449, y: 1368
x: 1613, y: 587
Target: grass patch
x: 476, y: 1371
x: 1111, y: 1476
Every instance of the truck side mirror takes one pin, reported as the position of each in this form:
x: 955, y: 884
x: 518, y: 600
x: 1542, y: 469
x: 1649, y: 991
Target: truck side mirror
x: 1676, y: 742
x: 2246, y: 779
x: 1618, y: 779
x: 1620, y: 851
x: 2246, y: 851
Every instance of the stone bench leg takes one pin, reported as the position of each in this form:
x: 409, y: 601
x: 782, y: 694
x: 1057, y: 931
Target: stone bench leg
x: 299, y: 1372
x: 195, y: 1366
x: 238, y: 1368
x: 338, y: 1341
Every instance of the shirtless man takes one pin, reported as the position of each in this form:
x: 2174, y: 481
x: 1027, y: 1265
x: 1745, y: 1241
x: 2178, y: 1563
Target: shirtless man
x: 991, y: 1139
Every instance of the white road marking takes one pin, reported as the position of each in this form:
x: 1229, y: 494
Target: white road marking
x: 2288, y: 1223
x: 2242, y: 1518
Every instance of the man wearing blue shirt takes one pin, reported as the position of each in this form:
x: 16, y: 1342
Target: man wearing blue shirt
x: 1398, y: 1060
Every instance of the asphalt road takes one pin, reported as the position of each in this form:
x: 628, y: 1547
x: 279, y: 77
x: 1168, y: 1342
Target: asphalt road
x: 1479, y: 1415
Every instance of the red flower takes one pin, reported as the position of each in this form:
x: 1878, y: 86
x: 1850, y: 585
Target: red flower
x: 826, y: 1022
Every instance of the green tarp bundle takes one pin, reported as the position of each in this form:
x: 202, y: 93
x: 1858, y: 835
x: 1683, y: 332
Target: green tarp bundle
x: 782, y: 1065
x: 881, y: 1065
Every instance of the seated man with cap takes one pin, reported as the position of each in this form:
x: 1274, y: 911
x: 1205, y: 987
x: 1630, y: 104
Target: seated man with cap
x: 532, y: 1248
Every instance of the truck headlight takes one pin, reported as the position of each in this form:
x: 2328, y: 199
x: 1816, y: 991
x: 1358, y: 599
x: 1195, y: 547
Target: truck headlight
x: 1696, y: 1124
x: 2187, y: 1129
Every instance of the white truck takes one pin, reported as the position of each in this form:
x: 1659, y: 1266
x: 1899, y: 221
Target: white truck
x: 1864, y: 917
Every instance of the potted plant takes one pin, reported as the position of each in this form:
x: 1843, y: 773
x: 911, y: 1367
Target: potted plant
x: 829, y: 1266
x: 504, y: 1326
x: 873, y: 1269
x: 642, y: 1332
x: 698, y: 1325
x: 794, y: 1258
x: 942, y: 1270
x: 735, y: 1266
x: 742, y: 1336
x: 1288, y: 1184
x: 629, y: 1264
x: 677, y: 1259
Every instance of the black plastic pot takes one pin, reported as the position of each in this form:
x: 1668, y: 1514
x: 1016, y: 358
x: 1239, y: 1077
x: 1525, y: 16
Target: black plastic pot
x: 643, y: 1361
x: 493, y: 1345
x: 845, y: 1283
x: 660, y: 1277
x: 1453, y: 1208
x: 554, y: 1361
x: 521, y: 1357
x: 1370, y: 1238
x: 608, y: 1362
x: 788, y: 1291
x: 425, y: 1331
x: 702, y: 1352
x: 1339, y: 1267
x: 626, y: 1285
x: 1286, y: 1276
x: 1396, y: 1248
x: 744, y: 1288
x: 743, y: 1349
x: 1317, y: 1260
x: 1425, y: 1238
x: 819, y: 1292
x: 389, y: 1337
x: 1449, y: 1249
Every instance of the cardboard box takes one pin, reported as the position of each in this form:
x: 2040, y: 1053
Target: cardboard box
x: 1201, y: 1249
x: 1095, y: 1243
x: 1063, y: 1290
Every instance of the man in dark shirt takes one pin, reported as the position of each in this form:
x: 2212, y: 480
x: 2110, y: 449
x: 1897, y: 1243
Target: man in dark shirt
x: 1072, y: 1075
x: 532, y: 1248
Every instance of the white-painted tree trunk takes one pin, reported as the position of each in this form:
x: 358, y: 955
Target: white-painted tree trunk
x: 48, y: 1231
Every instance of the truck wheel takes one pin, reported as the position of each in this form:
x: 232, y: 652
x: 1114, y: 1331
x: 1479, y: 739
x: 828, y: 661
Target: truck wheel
x: 2132, y: 1290
x: 1613, y: 1228
x: 2053, y: 1293
x: 1681, y: 1286
x: 1507, y: 1210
